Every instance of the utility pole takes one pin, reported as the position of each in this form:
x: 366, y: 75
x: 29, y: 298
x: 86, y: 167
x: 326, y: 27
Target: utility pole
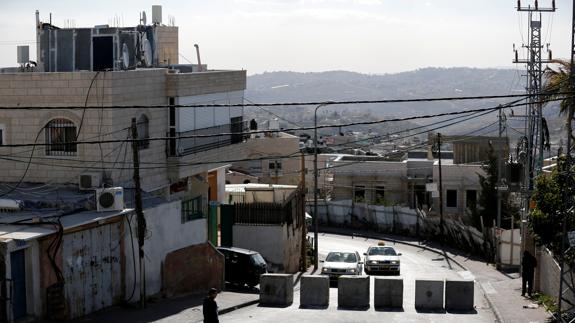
x: 566, y: 198
x: 440, y: 189
x: 534, y: 110
x: 303, y: 267
x: 139, y: 212
x: 499, y: 173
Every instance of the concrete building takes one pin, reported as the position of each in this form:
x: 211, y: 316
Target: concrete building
x: 70, y: 120
x: 269, y: 219
x: 285, y: 169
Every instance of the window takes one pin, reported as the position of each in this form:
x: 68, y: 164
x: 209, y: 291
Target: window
x: 471, y: 199
x: 275, y: 168
x: 60, y: 135
x: 192, y: 209
x: 451, y: 199
x: 2, y: 130
x: 379, y: 195
x: 143, y: 132
x: 359, y: 194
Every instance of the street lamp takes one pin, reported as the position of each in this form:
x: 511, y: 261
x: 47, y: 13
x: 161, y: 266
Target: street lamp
x: 315, y: 248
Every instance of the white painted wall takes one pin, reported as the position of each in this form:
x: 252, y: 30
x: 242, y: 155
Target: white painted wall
x: 167, y: 233
x: 198, y: 118
x: 268, y: 240
x: 221, y: 178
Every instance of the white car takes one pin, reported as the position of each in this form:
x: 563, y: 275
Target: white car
x: 339, y: 263
x: 382, y: 259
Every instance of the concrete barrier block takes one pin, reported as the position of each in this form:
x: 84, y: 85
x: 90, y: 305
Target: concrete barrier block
x: 388, y: 293
x: 459, y: 295
x: 429, y: 295
x: 276, y: 290
x: 314, y: 291
x: 353, y: 292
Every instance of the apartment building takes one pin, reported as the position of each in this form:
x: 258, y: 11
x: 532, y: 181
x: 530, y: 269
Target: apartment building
x: 68, y: 129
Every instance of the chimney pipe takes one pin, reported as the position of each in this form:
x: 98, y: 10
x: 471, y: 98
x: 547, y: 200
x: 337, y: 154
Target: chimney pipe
x: 199, y: 60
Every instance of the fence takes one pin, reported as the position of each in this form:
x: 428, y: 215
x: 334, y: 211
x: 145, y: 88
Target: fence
x: 405, y: 221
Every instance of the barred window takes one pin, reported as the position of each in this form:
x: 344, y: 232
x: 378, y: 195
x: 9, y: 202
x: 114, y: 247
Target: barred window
x: 192, y: 209
x: 60, y: 135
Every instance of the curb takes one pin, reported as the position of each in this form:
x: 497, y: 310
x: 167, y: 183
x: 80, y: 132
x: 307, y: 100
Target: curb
x: 498, y: 316
x: 237, y: 307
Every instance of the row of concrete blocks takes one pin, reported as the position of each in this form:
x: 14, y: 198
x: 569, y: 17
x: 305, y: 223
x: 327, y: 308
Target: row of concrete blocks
x: 354, y: 292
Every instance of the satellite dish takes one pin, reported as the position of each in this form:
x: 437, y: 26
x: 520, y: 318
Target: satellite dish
x: 125, y: 56
x: 144, y: 18
x: 147, y: 52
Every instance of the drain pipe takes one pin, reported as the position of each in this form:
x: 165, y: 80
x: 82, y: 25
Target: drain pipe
x: 199, y: 60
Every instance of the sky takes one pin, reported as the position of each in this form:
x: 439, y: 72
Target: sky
x: 366, y: 36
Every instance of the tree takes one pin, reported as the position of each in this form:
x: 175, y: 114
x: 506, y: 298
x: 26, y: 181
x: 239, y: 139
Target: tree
x: 545, y: 218
x: 487, y: 202
x: 559, y: 85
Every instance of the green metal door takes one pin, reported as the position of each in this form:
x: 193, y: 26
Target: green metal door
x: 213, y: 223
x: 227, y: 218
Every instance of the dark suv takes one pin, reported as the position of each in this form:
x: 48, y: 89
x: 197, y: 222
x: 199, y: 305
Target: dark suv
x: 243, y: 266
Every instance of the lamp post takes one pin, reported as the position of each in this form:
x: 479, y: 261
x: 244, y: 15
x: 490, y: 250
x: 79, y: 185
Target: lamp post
x: 315, y: 176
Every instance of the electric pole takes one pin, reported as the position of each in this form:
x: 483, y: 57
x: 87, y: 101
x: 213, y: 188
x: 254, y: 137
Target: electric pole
x: 533, y: 110
x: 139, y: 212
x: 440, y: 188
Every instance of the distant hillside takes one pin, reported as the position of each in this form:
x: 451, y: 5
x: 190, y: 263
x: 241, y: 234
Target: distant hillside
x: 422, y: 83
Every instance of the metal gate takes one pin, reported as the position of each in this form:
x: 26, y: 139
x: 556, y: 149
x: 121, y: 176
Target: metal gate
x: 18, y: 268
x: 227, y: 222
x: 92, y: 269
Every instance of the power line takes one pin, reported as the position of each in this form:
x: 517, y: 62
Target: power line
x: 268, y: 131
x: 285, y: 104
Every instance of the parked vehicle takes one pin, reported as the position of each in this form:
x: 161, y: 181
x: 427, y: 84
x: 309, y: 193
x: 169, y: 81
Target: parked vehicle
x: 338, y: 263
x: 382, y: 259
x: 243, y: 266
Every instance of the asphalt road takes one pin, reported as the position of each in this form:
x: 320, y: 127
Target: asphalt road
x: 415, y: 264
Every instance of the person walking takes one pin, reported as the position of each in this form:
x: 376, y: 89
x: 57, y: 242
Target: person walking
x: 528, y: 264
x: 210, y: 307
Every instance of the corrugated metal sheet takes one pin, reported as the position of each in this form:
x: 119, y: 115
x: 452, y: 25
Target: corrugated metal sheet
x: 92, y: 270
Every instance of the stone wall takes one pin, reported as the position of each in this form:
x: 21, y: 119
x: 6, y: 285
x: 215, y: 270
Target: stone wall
x: 193, y: 269
x: 550, y: 273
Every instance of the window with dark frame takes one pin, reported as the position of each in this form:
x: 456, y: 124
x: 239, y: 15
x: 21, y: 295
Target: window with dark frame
x: 471, y: 199
x: 379, y: 195
x: 192, y: 209
x: 451, y: 198
x: 359, y: 193
x: 60, y: 137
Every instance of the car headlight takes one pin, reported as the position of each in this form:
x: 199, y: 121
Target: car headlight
x: 324, y: 270
x: 395, y: 262
x: 352, y: 270
x: 373, y: 262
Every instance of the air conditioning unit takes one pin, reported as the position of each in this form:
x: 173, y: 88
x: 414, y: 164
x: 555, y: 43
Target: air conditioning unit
x: 90, y: 181
x: 109, y: 199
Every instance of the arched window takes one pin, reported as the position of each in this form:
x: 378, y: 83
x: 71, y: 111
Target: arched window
x: 60, y: 135
x: 143, y: 131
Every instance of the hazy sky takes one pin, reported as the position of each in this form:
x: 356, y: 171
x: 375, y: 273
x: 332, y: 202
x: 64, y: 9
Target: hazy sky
x: 368, y: 36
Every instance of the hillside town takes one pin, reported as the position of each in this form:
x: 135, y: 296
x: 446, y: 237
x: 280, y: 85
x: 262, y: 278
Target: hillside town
x: 134, y: 182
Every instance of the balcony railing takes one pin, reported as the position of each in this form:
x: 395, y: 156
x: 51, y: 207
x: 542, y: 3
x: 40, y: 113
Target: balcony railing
x: 186, y: 146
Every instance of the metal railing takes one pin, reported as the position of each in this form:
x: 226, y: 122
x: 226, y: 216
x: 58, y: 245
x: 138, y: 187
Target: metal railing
x: 186, y: 146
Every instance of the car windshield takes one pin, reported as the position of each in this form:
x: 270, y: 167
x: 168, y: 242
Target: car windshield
x: 258, y: 259
x: 341, y: 257
x: 378, y: 251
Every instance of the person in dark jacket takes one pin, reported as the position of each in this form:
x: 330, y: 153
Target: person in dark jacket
x: 528, y: 264
x: 210, y: 308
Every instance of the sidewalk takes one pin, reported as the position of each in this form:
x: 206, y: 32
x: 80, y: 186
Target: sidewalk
x: 502, y: 291
x: 183, y: 309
